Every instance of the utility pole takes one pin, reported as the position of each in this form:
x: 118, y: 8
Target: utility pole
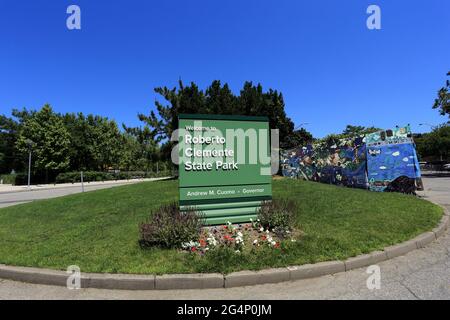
x: 82, y: 182
x: 30, y: 144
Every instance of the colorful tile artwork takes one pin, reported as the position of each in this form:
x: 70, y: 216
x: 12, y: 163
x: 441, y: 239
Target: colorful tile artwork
x: 381, y: 161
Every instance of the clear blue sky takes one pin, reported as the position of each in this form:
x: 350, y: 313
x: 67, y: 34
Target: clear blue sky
x: 331, y: 69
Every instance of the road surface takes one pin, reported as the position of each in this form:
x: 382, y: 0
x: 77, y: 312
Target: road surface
x: 421, y: 274
x: 11, y: 195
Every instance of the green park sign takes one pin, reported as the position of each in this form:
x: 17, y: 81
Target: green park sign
x: 224, y: 165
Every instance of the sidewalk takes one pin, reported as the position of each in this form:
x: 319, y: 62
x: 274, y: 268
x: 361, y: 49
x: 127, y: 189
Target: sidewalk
x: 8, y: 188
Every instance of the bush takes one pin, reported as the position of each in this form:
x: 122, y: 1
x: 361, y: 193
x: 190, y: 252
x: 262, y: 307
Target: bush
x: 170, y: 228
x: 21, y: 179
x: 278, y: 215
x: 8, y: 178
x: 88, y: 176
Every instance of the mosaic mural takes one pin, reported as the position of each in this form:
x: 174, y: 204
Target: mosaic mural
x: 392, y: 163
x: 342, y: 163
x: 381, y: 161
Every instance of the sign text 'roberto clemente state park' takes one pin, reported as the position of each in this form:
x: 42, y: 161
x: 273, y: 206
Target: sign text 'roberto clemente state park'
x: 224, y: 165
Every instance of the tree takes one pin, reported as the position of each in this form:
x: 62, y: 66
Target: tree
x: 8, y: 136
x: 96, y: 142
x: 354, y: 131
x: 216, y: 99
x: 298, y: 138
x: 51, y: 138
x: 81, y: 150
x: 106, y: 144
x: 144, y: 149
x: 350, y: 131
x: 442, y: 102
x: 434, y: 145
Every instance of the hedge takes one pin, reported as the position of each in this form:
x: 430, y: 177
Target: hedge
x: 89, y: 176
x: 8, y: 178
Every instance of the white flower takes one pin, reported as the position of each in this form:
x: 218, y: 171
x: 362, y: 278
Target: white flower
x: 261, y: 229
x: 255, y: 241
x: 237, y: 251
x: 239, y: 234
x: 293, y: 240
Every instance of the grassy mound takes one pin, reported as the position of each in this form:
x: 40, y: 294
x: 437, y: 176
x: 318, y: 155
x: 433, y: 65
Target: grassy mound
x: 98, y: 231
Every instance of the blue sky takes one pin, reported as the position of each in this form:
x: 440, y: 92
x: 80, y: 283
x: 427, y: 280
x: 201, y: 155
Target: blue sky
x: 331, y: 69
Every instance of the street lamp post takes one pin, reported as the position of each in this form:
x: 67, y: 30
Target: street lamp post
x: 30, y: 146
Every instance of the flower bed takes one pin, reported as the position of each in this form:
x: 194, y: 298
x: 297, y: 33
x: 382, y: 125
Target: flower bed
x: 241, y: 237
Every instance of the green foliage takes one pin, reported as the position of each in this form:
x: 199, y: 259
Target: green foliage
x: 278, y: 215
x: 354, y: 131
x: 96, y: 142
x: 78, y: 142
x: 434, y: 145
x: 90, y: 176
x: 8, y: 136
x: 350, y: 131
x: 21, y: 179
x: 298, y: 138
x: 217, y: 99
x: 8, y: 178
x: 73, y: 142
x: 50, y: 139
x: 442, y: 102
x: 170, y: 228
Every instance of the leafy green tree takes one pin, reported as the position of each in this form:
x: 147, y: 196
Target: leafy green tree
x: 51, y: 140
x: 442, y: 102
x: 298, y: 138
x: 106, y: 142
x: 140, y: 149
x: 81, y: 150
x: 434, y: 145
x: 8, y: 136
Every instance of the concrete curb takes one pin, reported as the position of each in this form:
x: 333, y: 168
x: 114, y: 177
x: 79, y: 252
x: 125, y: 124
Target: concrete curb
x: 217, y: 280
x: 250, y: 278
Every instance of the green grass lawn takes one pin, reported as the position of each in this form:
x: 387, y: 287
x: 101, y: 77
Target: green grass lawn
x: 98, y: 231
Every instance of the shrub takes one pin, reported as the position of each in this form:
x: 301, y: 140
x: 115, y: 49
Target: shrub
x: 170, y: 228
x: 22, y: 179
x: 88, y: 176
x: 278, y: 215
x: 8, y: 178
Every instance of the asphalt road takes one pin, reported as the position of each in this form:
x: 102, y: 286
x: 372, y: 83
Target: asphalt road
x: 11, y: 198
x: 421, y: 274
